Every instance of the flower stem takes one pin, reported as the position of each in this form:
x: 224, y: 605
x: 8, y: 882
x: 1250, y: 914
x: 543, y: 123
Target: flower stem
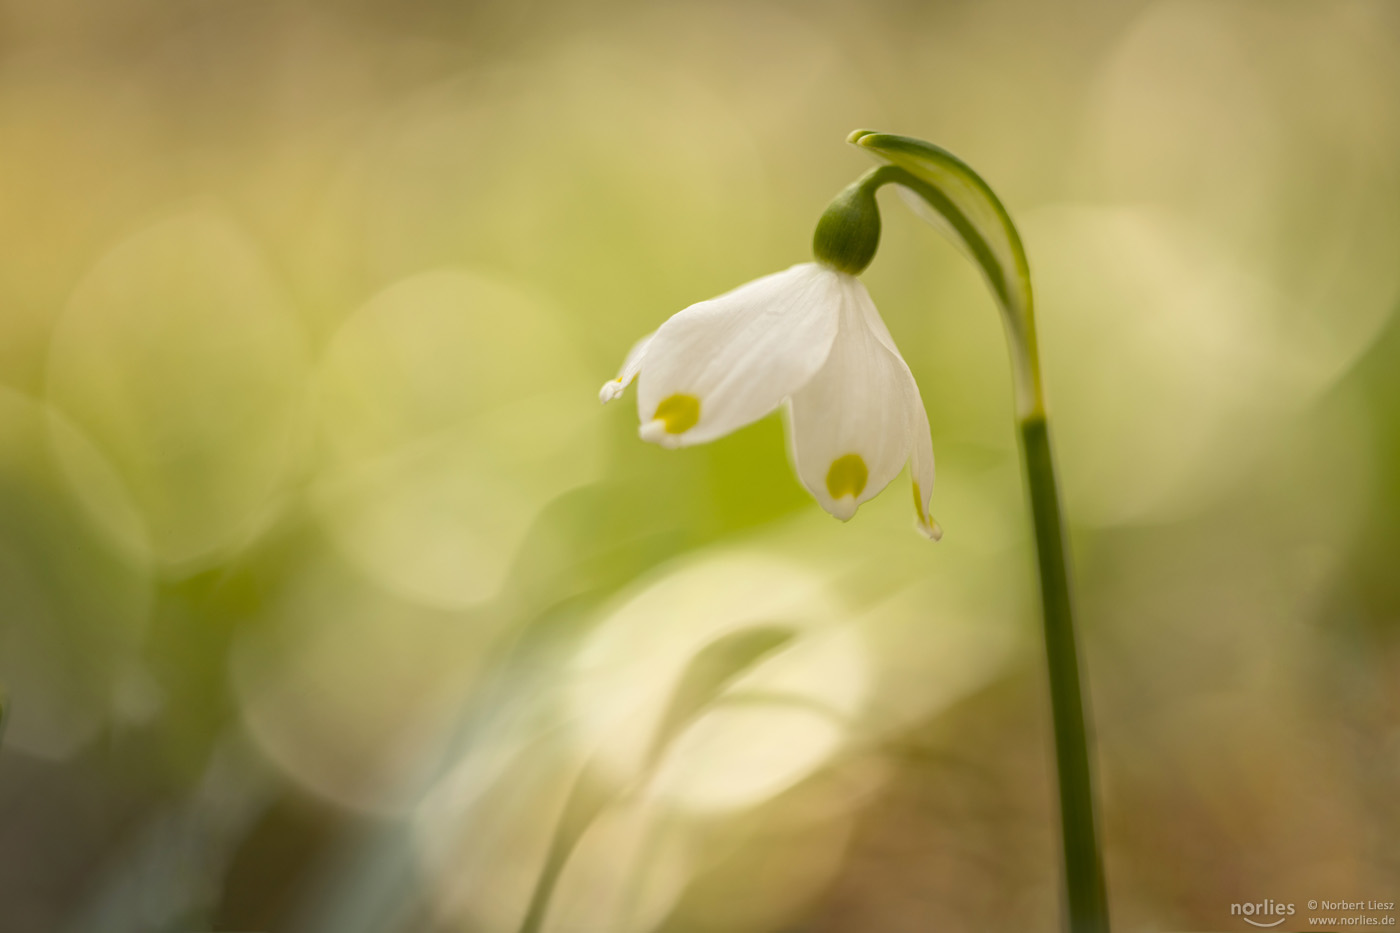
x: 958, y: 202
x: 1086, y: 899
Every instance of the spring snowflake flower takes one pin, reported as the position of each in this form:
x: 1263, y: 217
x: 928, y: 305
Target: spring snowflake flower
x: 808, y: 339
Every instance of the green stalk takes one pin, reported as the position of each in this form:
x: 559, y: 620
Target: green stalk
x: 1086, y: 897
x: 959, y: 203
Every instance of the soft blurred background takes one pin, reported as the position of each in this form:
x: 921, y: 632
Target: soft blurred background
x: 332, y: 601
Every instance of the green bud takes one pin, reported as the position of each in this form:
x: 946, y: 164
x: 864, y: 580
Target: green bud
x: 849, y: 230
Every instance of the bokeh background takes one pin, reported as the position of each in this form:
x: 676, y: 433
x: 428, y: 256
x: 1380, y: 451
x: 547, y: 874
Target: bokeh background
x: 329, y: 595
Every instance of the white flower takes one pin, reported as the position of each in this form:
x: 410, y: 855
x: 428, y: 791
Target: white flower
x: 809, y: 337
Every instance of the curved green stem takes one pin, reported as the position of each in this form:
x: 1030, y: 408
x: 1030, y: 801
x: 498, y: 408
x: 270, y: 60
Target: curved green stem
x: 957, y: 201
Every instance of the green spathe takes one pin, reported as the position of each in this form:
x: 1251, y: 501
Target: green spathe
x: 945, y: 191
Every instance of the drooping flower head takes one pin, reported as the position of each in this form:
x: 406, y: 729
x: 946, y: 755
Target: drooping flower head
x: 810, y: 340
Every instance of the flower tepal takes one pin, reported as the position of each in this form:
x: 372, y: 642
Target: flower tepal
x: 808, y: 339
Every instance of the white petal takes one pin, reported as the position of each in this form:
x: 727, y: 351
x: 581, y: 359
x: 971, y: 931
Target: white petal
x: 722, y: 363
x: 921, y: 454
x: 852, y: 424
x: 630, y: 367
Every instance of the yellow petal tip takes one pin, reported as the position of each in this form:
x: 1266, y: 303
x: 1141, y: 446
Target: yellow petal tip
x: 847, y: 476
x: 677, y: 413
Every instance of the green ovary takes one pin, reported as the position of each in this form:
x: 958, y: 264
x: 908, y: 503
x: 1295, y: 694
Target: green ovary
x: 847, y: 476
x: 679, y: 413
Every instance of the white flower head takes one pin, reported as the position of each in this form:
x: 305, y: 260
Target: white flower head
x: 809, y: 339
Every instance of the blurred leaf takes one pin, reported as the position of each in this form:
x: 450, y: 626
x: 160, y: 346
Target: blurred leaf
x: 713, y: 668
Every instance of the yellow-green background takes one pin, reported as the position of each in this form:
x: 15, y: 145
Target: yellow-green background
x: 313, y: 534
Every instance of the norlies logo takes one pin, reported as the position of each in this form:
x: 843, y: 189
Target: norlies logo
x: 1265, y: 910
